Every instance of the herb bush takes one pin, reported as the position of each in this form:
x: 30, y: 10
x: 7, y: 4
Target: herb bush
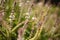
x: 29, y: 20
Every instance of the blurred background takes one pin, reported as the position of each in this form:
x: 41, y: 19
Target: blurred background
x: 29, y: 19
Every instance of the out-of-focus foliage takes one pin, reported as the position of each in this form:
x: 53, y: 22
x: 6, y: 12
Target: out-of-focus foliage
x: 27, y: 20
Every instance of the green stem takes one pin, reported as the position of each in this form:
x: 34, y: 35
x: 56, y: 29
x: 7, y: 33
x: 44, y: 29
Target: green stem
x: 3, y: 33
x: 17, y: 26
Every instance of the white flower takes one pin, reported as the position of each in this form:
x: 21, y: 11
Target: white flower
x: 27, y: 14
x: 10, y: 20
x: 12, y: 16
x: 12, y: 13
x: 33, y: 18
x: 27, y: 17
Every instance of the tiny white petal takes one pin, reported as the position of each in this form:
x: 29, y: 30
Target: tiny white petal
x: 9, y: 19
x: 12, y: 13
x: 27, y: 13
x: 33, y: 18
x: 27, y: 17
x: 10, y: 16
